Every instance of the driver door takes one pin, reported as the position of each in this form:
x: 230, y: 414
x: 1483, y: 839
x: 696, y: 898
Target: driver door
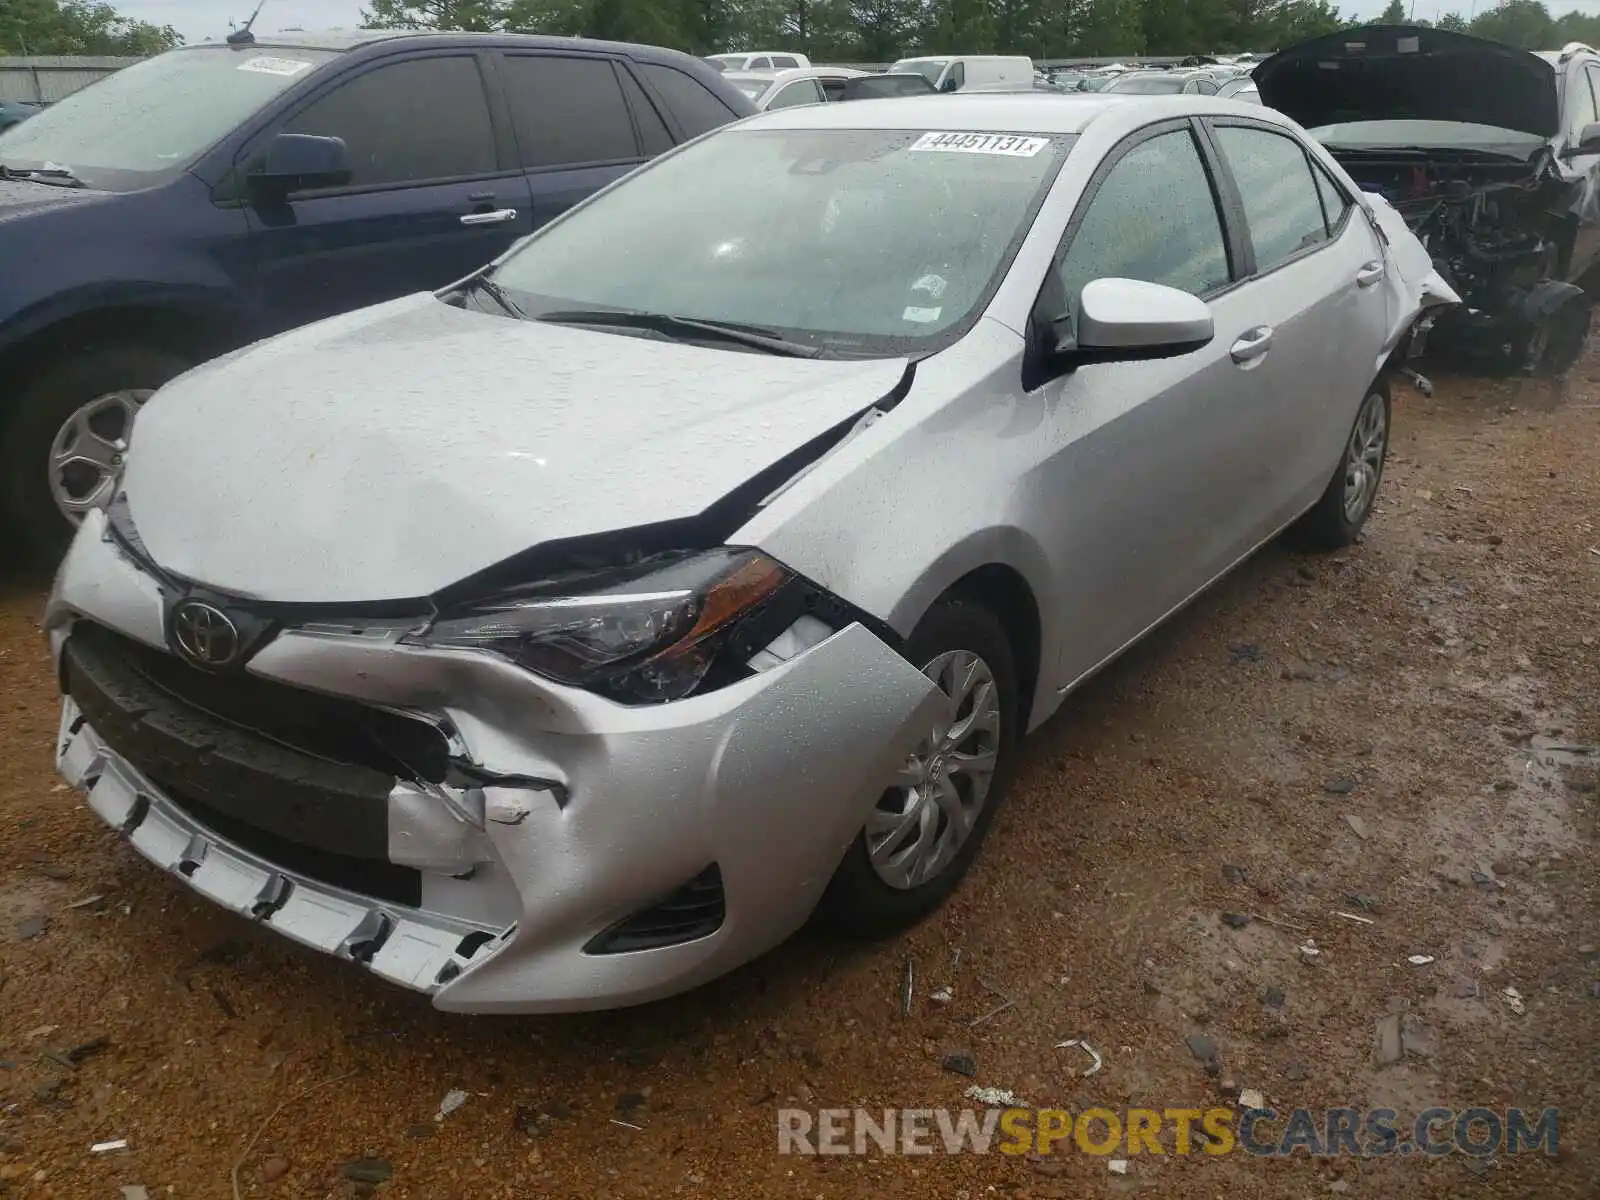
x: 1151, y: 496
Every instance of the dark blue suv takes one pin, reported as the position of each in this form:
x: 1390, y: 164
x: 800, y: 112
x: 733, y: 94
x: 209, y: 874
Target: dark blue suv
x: 213, y: 195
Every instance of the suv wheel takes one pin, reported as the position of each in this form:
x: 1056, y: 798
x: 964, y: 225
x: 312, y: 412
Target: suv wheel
x: 62, y: 451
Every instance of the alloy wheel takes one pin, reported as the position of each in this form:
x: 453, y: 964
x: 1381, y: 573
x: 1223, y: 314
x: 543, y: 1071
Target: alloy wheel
x: 87, y: 453
x: 921, y: 823
x: 1364, y: 458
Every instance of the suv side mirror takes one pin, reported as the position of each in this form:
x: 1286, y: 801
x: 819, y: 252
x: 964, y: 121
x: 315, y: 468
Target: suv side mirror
x: 1589, y: 139
x: 950, y: 84
x: 295, y: 161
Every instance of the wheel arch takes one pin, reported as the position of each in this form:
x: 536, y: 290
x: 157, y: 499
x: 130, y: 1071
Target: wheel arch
x: 1008, y: 580
x: 187, y: 331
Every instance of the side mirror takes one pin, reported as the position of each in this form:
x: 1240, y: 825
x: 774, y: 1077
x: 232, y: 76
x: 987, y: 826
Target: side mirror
x: 950, y: 85
x: 1128, y: 320
x: 296, y: 161
x: 1589, y: 139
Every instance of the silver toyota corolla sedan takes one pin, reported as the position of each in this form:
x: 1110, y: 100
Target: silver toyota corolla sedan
x: 569, y: 637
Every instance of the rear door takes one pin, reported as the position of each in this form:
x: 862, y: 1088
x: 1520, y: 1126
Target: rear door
x: 435, y: 190
x: 581, y: 121
x: 1314, y: 270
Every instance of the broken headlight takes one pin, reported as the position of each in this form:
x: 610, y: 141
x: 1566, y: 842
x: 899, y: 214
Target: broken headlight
x: 652, y: 632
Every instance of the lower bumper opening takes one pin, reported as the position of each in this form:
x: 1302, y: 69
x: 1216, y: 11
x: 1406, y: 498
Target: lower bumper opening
x: 364, y: 876
x: 695, y: 910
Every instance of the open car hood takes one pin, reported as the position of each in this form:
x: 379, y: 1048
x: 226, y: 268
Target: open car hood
x: 1404, y: 72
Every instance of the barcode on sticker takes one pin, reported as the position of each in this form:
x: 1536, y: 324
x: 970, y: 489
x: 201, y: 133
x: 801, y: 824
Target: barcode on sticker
x: 274, y: 66
x: 1011, y: 145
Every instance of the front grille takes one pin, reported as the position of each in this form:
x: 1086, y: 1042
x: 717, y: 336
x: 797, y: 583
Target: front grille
x: 191, y: 737
x: 324, y: 727
x: 694, y: 911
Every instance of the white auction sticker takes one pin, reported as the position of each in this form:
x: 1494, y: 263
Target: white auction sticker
x: 1010, y: 145
x: 921, y: 316
x: 275, y: 66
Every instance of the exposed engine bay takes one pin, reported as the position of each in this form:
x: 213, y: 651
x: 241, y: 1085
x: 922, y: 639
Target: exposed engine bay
x: 1500, y: 235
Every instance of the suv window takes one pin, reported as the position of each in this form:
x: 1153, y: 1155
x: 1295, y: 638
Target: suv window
x: 653, y: 136
x: 760, y: 64
x: 1154, y: 217
x: 1584, y: 108
x: 1281, y: 203
x: 695, y: 106
x: 785, y: 60
x: 956, y: 79
x: 567, y: 111
x: 407, y: 122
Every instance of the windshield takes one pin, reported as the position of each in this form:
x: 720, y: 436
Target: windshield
x: 155, y: 118
x: 891, y: 239
x: 1441, y: 135
x: 1147, y: 85
x: 929, y: 68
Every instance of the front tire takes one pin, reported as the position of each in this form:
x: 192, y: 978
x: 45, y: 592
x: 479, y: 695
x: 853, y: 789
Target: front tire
x: 927, y: 827
x: 1336, y: 520
x: 62, y: 446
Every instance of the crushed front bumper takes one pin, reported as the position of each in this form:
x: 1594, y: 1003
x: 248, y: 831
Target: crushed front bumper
x: 593, y: 812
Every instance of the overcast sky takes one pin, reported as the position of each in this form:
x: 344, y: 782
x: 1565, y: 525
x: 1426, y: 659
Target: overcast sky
x: 200, y: 19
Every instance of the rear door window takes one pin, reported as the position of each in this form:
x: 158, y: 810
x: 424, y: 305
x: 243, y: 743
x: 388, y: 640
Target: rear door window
x: 567, y: 111
x: 692, y: 103
x: 1282, y: 205
x: 653, y: 136
x: 416, y: 121
x: 785, y: 60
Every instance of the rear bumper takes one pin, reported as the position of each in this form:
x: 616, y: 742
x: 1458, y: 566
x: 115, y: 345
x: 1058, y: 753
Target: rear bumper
x: 602, y: 811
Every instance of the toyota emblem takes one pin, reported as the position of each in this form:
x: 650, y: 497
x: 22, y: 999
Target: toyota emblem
x: 205, y: 634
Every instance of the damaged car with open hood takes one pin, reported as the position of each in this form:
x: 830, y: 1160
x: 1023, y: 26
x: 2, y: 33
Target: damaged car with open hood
x: 568, y: 637
x: 1492, y: 154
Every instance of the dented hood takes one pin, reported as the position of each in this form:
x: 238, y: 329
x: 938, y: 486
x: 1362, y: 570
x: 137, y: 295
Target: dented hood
x: 1404, y: 72
x: 391, y: 452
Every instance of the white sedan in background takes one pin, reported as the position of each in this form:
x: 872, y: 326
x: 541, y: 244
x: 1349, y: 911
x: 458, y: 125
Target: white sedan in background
x: 788, y: 89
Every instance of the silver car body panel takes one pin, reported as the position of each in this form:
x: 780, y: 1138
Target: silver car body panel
x: 393, y: 452
x: 390, y: 452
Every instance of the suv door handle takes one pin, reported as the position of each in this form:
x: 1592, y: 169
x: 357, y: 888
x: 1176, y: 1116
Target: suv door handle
x: 1369, y: 274
x: 497, y: 216
x: 1252, y: 344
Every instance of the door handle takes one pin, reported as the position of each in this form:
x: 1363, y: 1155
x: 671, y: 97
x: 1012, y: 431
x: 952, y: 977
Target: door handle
x: 1252, y: 344
x: 1369, y: 274
x: 498, y: 216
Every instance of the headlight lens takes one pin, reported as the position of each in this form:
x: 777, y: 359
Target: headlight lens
x: 647, y: 633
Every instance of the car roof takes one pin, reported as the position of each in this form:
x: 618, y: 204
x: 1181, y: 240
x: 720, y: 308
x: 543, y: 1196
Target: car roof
x: 341, y: 40
x: 790, y: 74
x: 1021, y: 112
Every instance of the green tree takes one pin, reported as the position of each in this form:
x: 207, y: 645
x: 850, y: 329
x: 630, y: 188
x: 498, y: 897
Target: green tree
x: 1394, y: 14
x: 78, y: 27
x: 1524, y: 23
x: 1453, y: 22
x: 479, y: 16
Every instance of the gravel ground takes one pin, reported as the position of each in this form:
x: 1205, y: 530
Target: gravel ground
x: 1378, y: 732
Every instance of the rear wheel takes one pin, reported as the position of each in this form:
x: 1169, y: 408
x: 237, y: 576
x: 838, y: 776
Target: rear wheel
x: 927, y: 827
x: 1338, y: 517
x: 63, y: 447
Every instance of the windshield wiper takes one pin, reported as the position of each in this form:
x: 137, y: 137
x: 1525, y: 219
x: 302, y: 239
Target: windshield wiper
x: 498, y: 294
x: 685, y: 328
x: 51, y: 176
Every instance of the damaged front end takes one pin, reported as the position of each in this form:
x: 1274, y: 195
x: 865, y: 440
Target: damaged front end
x: 1466, y: 140
x: 1501, y: 244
